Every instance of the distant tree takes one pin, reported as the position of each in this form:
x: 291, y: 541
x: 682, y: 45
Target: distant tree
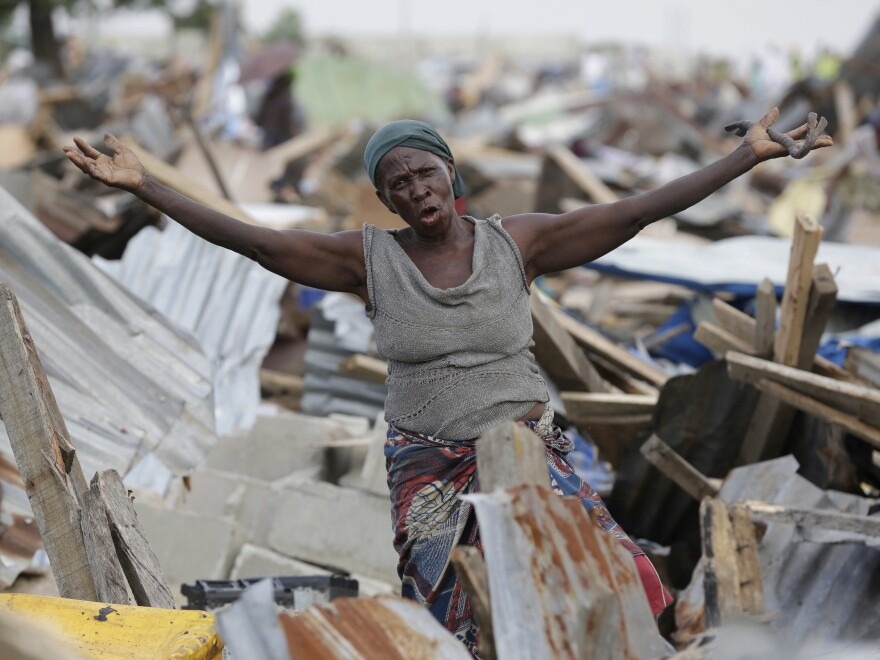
x: 287, y: 26
x: 44, y: 41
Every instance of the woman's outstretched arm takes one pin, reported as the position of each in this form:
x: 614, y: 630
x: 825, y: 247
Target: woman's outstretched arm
x: 334, y: 262
x: 550, y: 243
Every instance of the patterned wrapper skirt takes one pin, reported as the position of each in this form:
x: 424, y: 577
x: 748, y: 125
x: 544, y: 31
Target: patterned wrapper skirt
x: 427, y: 474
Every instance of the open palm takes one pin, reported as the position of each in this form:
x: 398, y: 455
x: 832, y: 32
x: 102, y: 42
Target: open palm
x: 121, y: 170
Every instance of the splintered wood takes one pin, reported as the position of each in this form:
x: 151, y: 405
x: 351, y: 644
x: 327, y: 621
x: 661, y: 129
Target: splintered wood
x: 46, y: 459
x: 671, y: 464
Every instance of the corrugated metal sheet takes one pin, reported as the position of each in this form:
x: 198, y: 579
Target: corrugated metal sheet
x: 128, y: 383
x: 228, y: 302
x: 560, y: 586
x: 817, y: 592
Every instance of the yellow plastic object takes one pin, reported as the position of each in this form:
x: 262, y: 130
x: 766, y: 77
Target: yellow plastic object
x: 98, y: 630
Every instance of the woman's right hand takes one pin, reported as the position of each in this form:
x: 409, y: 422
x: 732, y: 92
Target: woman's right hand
x: 122, y: 170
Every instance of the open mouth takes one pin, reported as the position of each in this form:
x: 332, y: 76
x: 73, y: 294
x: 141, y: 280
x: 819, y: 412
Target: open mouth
x: 429, y: 214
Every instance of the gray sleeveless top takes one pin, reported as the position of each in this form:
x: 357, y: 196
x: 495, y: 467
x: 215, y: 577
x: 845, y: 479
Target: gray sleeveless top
x: 458, y: 359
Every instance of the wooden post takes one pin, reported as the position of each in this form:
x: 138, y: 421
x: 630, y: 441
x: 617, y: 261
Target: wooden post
x: 510, y: 455
x: 823, y: 298
x: 670, y: 463
x: 721, y: 581
x: 751, y: 583
x: 771, y: 420
x: 145, y: 577
x: 46, y: 459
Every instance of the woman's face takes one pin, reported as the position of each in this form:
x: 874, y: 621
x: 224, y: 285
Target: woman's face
x: 417, y: 186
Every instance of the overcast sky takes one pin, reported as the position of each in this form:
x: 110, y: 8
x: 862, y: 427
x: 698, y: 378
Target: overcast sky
x: 706, y: 25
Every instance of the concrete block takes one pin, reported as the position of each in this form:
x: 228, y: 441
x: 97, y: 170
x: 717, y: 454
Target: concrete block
x: 277, y: 446
x: 190, y: 546
x: 254, y: 561
x: 339, y: 527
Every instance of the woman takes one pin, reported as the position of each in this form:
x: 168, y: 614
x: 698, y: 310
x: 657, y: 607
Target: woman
x: 448, y: 298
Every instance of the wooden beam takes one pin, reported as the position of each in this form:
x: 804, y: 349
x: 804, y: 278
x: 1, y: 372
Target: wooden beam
x: 584, y: 405
x: 737, y: 323
x: 597, y: 343
x: 558, y: 354
x: 721, y: 581
x: 109, y: 577
x: 824, y: 519
x: 471, y: 570
x: 677, y: 469
x: 765, y: 318
x: 751, y: 583
x: 145, y: 577
x: 795, y: 300
x: 178, y: 180
x: 720, y: 341
x: 301, y: 146
x: 861, y: 402
x: 364, y: 367
x: 858, y: 428
x: 585, y: 179
x: 511, y: 455
x: 46, y: 459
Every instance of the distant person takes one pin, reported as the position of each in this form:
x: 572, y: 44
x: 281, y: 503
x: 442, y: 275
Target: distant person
x: 449, y: 299
x: 855, y: 183
x: 278, y: 115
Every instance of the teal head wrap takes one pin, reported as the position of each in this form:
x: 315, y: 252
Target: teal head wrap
x: 407, y: 133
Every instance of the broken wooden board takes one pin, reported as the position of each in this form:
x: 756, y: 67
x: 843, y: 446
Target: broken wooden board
x: 719, y: 340
x: 860, y: 402
x: 765, y: 318
x: 751, y: 583
x: 558, y: 354
x: 141, y: 567
x: 364, y: 367
x: 471, y: 570
x: 721, y: 583
x: 509, y: 455
x: 822, y: 518
x: 46, y: 459
x: 588, y: 406
x: 737, y: 323
x: 677, y: 469
x: 595, y: 342
x: 560, y: 586
x: 110, y: 582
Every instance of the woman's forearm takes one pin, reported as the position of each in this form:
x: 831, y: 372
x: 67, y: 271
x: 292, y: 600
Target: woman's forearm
x: 682, y: 193
x: 211, y: 225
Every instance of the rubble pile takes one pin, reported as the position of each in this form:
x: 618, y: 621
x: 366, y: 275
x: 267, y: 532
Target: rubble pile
x: 719, y: 372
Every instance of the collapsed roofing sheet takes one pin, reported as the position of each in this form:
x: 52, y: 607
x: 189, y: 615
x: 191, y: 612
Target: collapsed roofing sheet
x: 230, y: 304
x: 739, y: 264
x: 129, y: 384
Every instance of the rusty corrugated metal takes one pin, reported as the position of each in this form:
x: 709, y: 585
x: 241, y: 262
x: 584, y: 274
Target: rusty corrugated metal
x: 386, y: 627
x: 560, y: 586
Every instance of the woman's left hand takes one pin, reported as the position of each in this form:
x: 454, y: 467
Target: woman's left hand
x: 765, y: 148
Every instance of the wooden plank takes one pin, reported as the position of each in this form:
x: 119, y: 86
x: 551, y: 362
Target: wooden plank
x: 670, y: 463
x: 765, y: 318
x: 626, y: 383
x: 823, y: 298
x: 364, y: 367
x: 719, y: 341
x: 737, y: 323
x: 280, y: 382
x: 46, y: 459
x: 145, y: 577
x: 721, y: 582
x: 817, y: 518
x: 109, y: 577
x: 178, y: 180
x: 751, y: 583
x: 576, y: 170
x: 302, y: 145
x: 858, y: 428
x: 511, y: 455
x: 584, y: 405
x: 559, y: 355
x: 471, y: 570
x: 619, y: 357
x: 614, y: 420
x: 864, y: 364
x: 859, y: 401
x: 795, y: 300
